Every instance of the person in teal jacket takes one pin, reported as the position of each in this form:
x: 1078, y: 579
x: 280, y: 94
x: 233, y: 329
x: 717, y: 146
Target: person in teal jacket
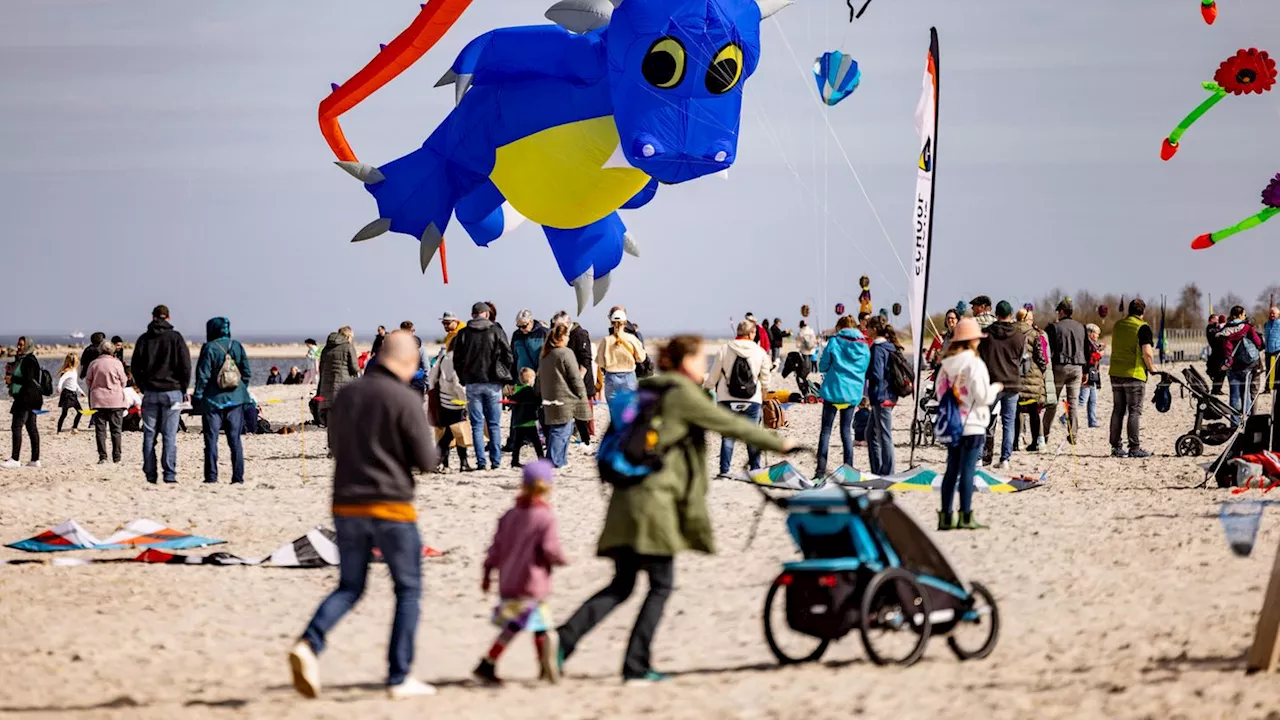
x: 844, y: 371
x: 221, y: 408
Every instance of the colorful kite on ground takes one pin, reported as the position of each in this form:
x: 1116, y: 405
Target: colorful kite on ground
x: 69, y: 535
x: 837, y: 76
x: 563, y: 125
x: 779, y: 476
x: 1209, y: 10
x: 1248, y: 71
x: 1271, y: 201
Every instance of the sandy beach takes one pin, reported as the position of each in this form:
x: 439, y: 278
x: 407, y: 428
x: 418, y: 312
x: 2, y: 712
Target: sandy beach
x: 1119, y: 597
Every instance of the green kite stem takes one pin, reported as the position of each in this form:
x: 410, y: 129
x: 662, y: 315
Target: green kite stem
x: 1252, y: 221
x: 1201, y: 109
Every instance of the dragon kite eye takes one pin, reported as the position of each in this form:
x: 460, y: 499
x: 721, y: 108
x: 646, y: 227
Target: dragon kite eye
x: 663, y: 65
x: 725, y: 70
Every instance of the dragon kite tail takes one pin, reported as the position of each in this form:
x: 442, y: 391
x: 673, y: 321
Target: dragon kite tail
x: 586, y: 256
x: 415, y: 196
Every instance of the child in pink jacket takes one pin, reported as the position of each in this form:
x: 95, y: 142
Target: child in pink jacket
x: 525, y: 548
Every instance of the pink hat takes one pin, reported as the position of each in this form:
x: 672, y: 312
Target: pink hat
x: 967, y: 329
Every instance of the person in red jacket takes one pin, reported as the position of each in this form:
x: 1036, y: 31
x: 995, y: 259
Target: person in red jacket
x: 761, y: 334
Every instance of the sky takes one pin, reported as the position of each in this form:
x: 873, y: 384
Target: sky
x: 162, y: 152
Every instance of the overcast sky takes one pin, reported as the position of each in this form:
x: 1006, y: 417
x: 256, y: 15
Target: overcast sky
x: 157, y: 151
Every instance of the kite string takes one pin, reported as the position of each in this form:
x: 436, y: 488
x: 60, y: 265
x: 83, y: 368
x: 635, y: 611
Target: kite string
x: 840, y: 146
x: 763, y: 116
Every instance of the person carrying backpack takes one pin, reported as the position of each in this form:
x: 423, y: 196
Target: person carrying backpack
x: 28, y: 397
x: 965, y: 393
x: 1243, y: 349
x: 740, y: 377
x: 665, y: 512
x: 886, y: 383
x: 220, y: 395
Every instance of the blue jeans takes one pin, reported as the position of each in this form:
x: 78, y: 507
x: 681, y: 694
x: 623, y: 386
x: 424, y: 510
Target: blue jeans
x: 750, y: 411
x: 402, y: 550
x: 1006, y: 411
x: 880, y: 440
x: 160, y: 412
x: 558, y: 443
x: 484, y: 409
x: 1089, y: 399
x: 613, y: 382
x: 962, y: 461
x: 824, y: 436
x: 1241, y: 390
x: 215, y: 422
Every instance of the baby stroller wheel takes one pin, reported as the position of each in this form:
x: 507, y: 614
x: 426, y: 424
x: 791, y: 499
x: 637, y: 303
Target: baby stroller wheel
x: 987, y: 620
x: 895, y: 608
x: 1189, y: 446
x: 784, y: 655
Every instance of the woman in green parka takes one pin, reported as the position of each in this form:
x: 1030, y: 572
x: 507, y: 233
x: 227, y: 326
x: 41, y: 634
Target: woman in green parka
x: 647, y: 524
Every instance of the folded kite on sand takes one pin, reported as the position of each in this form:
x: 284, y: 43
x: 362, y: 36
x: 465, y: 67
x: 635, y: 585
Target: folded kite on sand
x: 316, y: 549
x: 785, y: 476
x: 69, y: 535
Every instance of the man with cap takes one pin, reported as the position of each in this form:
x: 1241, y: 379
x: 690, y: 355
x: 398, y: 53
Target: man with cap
x: 1002, y: 351
x: 482, y: 359
x: 981, y: 307
x: 1069, y: 350
x: 526, y: 347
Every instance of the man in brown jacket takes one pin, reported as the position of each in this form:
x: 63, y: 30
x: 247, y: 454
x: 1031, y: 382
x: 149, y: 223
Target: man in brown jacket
x: 378, y: 435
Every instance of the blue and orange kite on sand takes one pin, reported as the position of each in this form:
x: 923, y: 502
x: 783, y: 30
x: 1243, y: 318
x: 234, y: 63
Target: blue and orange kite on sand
x: 562, y: 124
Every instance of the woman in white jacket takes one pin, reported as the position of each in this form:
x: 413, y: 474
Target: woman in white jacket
x: 964, y: 374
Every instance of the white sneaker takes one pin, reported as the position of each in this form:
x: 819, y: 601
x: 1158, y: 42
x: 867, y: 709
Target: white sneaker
x: 1003, y: 466
x: 10, y: 464
x: 34, y: 464
x: 306, y: 669
x: 410, y: 688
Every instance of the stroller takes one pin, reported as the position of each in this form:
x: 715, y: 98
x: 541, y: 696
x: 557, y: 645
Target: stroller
x: 1216, y: 422
x: 922, y: 427
x: 868, y: 565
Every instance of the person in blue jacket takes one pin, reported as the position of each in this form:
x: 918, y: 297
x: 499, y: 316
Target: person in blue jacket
x: 222, y: 408
x: 1271, y: 335
x: 843, y: 367
x: 879, y: 395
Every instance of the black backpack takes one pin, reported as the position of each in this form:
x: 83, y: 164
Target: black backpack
x: 899, y: 374
x: 741, y: 381
x: 46, y: 383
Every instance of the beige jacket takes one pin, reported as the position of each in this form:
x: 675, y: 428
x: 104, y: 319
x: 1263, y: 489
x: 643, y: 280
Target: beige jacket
x: 620, y: 353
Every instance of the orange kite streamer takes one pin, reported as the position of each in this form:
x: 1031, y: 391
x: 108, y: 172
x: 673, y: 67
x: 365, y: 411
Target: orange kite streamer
x: 433, y: 21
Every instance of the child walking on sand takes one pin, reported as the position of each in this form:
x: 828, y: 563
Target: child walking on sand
x: 69, y: 392
x: 525, y: 548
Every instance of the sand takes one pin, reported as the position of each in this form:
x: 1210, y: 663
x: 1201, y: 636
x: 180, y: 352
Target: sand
x: 1119, y: 598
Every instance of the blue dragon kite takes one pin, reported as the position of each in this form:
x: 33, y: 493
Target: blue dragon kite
x: 566, y: 124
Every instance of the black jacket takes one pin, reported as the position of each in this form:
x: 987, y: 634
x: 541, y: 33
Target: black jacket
x: 580, y: 344
x: 26, y: 391
x: 481, y: 354
x: 1002, y: 351
x: 87, y: 357
x: 161, y: 360
x: 1068, y: 343
x: 379, y: 434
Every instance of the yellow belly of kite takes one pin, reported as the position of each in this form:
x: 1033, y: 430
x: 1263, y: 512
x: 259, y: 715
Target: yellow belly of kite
x: 555, y: 177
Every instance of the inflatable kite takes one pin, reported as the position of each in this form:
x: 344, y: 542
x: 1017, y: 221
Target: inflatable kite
x: 1248, y: 71
x: 837, y: 75
x: 1209, y: 11
x: 897, y: 309
x: 840, y: 309
x: 564, y: 124
x: 864, y: 299
x: 1270, y: 198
